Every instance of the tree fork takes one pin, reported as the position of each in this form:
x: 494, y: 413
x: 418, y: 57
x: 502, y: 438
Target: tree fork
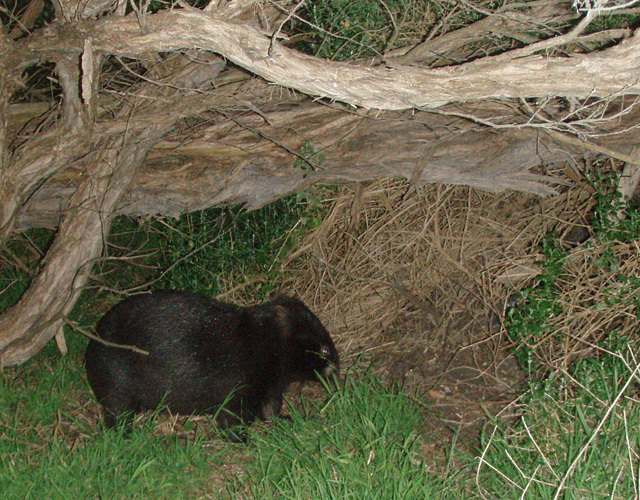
x: 108, y: 172
x: 35, y: 319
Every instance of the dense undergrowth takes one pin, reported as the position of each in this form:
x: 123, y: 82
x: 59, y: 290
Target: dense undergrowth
x: 209, y: 250
x: 576, y: 332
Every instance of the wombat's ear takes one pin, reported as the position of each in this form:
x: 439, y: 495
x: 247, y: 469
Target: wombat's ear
x: 276, y: 297
x: 283, y: 318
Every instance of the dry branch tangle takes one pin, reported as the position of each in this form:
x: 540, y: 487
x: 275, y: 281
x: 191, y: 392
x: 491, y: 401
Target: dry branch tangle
x: 600, y: 74
x: 35, y: 319
x: 361, y: 154
x: 106, y: 175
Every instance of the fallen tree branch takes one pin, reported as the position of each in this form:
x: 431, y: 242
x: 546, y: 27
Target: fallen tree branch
x: 614, y: 70
x: 250, y: 163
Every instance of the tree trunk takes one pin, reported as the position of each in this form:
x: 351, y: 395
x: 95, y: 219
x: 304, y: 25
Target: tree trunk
x: 105, y: 177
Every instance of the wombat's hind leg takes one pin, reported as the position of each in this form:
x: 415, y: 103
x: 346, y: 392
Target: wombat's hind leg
x: 118, y: 412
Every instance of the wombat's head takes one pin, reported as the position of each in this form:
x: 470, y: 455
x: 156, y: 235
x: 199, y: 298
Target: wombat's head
x: 310, y: 350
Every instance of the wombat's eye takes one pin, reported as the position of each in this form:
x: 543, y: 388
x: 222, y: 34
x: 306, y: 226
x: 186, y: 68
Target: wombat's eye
x: 324, y: 351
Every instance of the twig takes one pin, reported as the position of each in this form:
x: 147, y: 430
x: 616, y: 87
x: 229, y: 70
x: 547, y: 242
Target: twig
x: 259, y: 133
x: 90, y: 335
x: 552, y: 42
x: 396, y: 29
x: 276, y: 33
x: 601, y: 5
x: 596, y: 148
x: 595, y: 433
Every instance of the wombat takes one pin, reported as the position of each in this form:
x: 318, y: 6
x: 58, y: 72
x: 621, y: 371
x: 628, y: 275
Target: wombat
x: 204, y: 355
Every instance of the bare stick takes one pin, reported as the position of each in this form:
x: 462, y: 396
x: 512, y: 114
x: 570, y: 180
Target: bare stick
x: 90, y: 335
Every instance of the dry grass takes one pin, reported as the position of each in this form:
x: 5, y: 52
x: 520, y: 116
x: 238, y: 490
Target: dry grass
x: 393, y: 266
x: 594, y: 302
x: 419, y: 280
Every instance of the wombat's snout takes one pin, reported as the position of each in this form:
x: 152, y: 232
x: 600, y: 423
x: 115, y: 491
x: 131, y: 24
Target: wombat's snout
x: 331, y: 370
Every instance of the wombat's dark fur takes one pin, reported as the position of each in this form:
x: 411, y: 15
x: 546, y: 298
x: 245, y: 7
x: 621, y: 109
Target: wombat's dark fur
x: 203, y: 353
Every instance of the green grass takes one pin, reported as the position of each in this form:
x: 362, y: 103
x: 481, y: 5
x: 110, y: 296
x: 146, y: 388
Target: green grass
x: 106, y: 466
x: 577, y: 437
x: 363, y: 443
x: 363, y: 440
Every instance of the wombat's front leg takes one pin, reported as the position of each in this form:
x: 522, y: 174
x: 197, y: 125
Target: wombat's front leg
x: 271, y: 408
x: 118, y: 412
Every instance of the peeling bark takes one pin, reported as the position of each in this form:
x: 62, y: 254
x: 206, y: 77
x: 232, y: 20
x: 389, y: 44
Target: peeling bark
x: 599, y: 74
